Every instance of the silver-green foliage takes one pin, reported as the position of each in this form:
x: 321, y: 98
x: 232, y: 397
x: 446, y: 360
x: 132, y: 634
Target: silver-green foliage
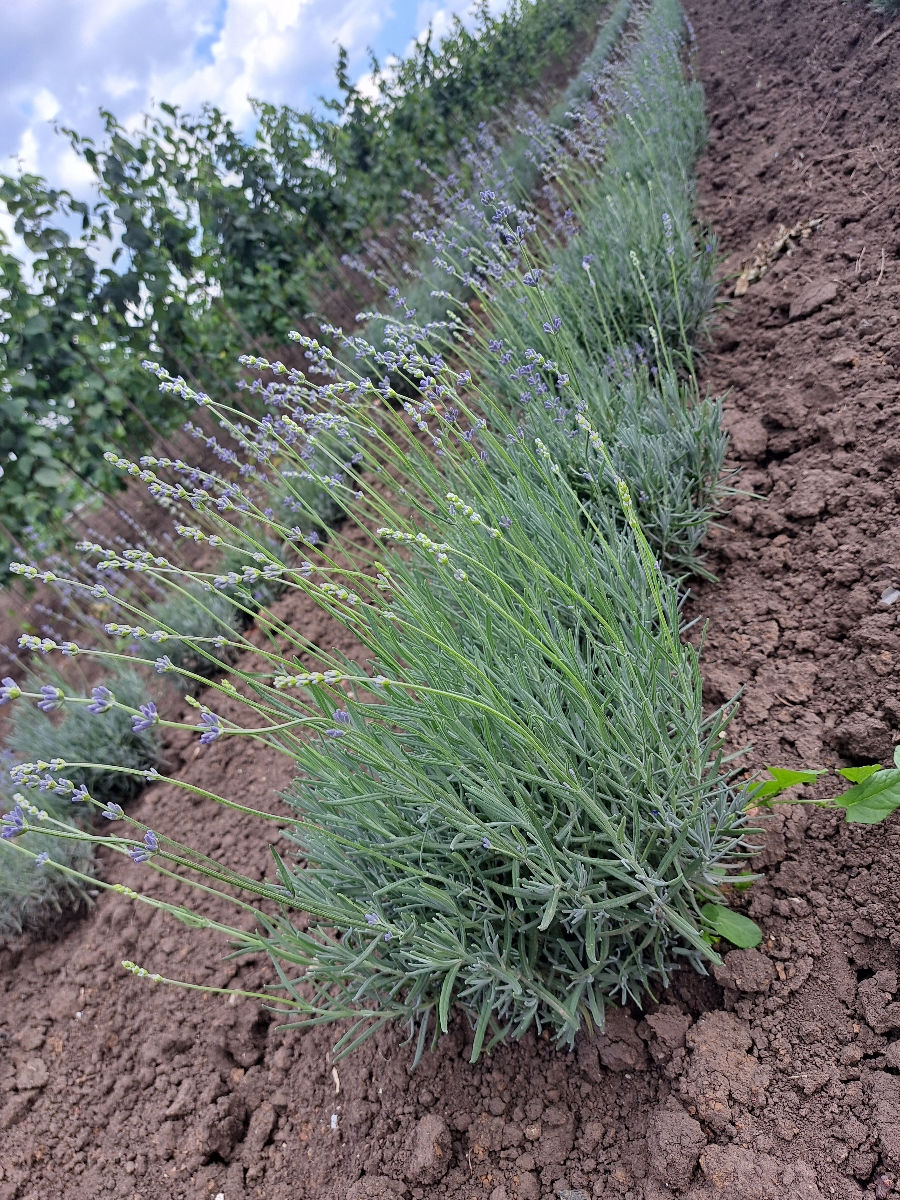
x: 201, y: 622
x: 32, y: 887
x: 536, y: 808
x: 32, y: 892
x: 510, y: 800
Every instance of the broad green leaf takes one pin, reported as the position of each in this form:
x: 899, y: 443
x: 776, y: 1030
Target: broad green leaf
x: 733, y: 926
x: 872, y: 800
x: 858, y: 774
x: 782, y: 779
x: 47, y: 477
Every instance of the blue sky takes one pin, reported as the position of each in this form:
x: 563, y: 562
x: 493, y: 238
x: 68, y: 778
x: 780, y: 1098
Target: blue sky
x: 61, y: 60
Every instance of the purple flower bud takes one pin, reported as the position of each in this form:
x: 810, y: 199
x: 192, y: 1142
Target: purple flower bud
x: 112, y: 811
x: 149, y: 716
x: 102, y: 700
x: 486, y: 842
x: 51, y: 698
x: 209, y: 722
x: 13, y: 823
x: 341, y: 714
x: 9, y: 690
x: 371, y: 918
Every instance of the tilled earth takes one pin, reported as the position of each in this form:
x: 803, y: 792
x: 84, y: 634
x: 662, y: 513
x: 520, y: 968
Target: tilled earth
x: 778, y: 1077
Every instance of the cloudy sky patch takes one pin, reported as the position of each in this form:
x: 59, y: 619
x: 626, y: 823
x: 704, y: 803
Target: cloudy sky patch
x: 63, y: 60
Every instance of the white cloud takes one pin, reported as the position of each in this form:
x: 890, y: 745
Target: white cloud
x: 72, y: 172
x: 45, y: 105
x: 65, y: 59
x: 275, y: 50
x: 27, y: 156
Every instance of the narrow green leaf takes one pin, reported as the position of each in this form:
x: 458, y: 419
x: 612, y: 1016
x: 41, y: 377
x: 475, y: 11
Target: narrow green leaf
x: 733, y: 926
x: 446, y: 995
x: 481, y: 1028
x: 549, y: 911
x: 283, y: 873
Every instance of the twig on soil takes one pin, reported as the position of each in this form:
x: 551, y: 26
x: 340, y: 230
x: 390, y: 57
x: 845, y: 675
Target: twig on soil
x: 827, y: 116
x: 881, y: 272
x: 886, y: 34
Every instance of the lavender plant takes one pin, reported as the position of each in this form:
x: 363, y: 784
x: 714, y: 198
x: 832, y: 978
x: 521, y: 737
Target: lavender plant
x: 619, y: 286
x: 509, y: 800
x: 442, y: 212
x: 516, y: 803
x: 30, y: 894
x: 96, y: 729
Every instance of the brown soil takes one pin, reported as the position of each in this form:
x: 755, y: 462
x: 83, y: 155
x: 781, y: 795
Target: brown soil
x: 778, y: 1077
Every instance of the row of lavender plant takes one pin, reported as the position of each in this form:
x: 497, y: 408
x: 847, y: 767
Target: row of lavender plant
x: 509, y: 799
x: 511, y: 166
x: 201, y: 621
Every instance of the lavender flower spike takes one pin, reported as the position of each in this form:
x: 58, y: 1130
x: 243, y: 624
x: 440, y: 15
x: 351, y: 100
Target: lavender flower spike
x: 10, y: 690
x: 12, y: 823
x: 149, y: 716
x: 212, y: 729
x: 101, y: 700
x: 51, y: 698
x: 141, y: 854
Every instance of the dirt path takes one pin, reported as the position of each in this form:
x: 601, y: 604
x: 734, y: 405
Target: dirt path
x: 781, y: 1077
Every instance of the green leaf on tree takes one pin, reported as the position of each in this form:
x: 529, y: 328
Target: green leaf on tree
x: 47, y: 477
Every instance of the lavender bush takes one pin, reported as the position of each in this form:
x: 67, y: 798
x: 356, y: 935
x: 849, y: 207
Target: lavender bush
x: 510, y: 799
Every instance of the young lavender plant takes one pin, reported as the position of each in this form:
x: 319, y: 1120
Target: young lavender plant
x: 98, y: 729
x: 31, y: 893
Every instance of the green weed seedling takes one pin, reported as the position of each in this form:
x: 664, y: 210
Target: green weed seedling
x: 873, y: 795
